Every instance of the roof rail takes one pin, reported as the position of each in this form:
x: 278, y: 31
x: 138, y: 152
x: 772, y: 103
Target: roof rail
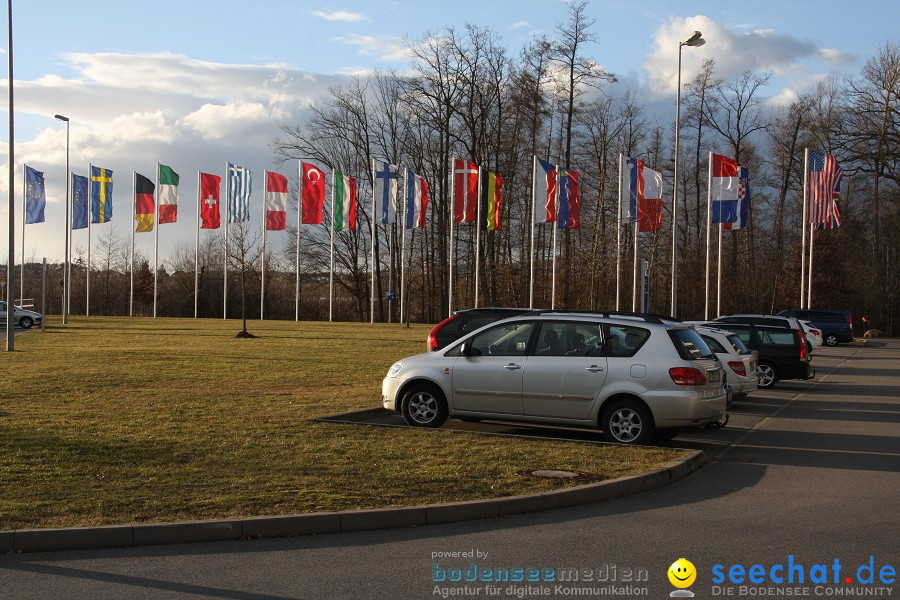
x: 648, y: 317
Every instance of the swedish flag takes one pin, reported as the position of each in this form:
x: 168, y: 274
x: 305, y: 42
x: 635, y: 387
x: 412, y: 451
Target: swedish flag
x: 101, y: 195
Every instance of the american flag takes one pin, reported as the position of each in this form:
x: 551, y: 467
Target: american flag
x: 824, y: 191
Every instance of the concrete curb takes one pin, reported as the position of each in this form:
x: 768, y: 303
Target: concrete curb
x: 118, y: 536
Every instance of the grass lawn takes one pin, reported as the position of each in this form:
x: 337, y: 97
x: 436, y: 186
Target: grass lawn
x: 117, y: 420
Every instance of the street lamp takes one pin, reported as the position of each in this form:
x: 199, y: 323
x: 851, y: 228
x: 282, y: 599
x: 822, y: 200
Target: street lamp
x: 65, y: 301
x: 695, y: 40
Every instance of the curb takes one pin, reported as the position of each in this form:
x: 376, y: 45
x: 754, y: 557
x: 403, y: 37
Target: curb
x: 123, y: 536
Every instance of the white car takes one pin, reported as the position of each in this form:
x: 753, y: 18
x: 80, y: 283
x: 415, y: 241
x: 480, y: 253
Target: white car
x: 629, y: 376
x: 26, y: 319
x: 739, y: 362
x: 813, y: 335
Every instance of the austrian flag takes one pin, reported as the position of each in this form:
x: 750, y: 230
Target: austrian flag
x: 276, y: 201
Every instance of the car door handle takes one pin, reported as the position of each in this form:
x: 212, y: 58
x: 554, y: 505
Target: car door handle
x: 593, y: 368
x: 512, y: 366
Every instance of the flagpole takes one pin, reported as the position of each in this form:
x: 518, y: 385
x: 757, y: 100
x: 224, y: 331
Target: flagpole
x: 634, y: 277
x: 619, y: 239
x: 69, y: 205
x: 373, y: 233
x: 331, y: 268
x: 197, y: 245
x: 131, y: 262
x: 531, y: 230
x: 719, y: 275
x: 297, y: 264
x: 554, y: 225
x: 24, y: 211
x: 404, y: 206
x: 225, y: 233
x: 90, y: 212
x: 477, y: 236
x: 156, y: 240
x: 803, y: 236
x: 452, y: 204
x: 708, y: 234
x: 262, y: 279
x: 812, y: 239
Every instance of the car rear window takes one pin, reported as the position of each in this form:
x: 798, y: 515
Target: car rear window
x: 738, y: 343
x: 624, y: 340
x: 772, y: 336
x: 689, y: 344
x: 714, y: 345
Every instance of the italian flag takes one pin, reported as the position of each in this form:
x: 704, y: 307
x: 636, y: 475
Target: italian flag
x: 168, y: 195
x: 344, y: 208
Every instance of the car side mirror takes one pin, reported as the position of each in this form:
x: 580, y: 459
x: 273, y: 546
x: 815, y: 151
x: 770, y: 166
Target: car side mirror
x: 467, y: 350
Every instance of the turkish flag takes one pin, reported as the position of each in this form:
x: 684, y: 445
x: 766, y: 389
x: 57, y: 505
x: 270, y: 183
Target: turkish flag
x: 209, y: 200
x: 312, y: 184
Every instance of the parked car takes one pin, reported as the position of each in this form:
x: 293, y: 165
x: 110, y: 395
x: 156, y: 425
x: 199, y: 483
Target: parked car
x: 466, y: 321
x: 629, y: 376
x: 738, y: 361
x: 26, y: 319
x: 836, y: 325
x: 780, y: 341
x: 813, y: 335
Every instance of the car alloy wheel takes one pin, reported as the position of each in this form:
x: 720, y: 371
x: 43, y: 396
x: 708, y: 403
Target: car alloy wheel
x: 424, y: 406
x: 627, y: 422
x: 26, y: 322
x: 766, y: 375
x: 831, y: 339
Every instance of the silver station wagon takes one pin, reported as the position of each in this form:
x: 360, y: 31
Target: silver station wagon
x: 631, y: 375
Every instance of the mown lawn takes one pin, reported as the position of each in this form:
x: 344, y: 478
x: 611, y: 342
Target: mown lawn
x: 118, y: 420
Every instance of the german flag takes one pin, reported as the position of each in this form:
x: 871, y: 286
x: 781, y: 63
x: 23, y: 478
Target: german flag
x: 143, y: 203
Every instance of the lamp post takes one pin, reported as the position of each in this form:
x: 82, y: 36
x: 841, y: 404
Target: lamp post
x: 695, y: 40
x: 10, y: 258
x: 65, y: 307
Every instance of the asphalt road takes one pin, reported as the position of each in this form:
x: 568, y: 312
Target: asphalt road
x: 806, y: 474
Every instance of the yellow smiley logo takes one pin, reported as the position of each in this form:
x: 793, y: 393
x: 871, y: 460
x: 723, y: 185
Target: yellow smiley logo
x: 682, y: 573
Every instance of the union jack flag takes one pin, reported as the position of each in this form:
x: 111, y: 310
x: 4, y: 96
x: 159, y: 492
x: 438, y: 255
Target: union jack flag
x: 824, y: 191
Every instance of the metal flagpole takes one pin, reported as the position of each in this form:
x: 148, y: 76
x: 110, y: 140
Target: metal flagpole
x: 812, y: 239
x: 131, y: 262
x: 373, y: 234
x: 225, y: 232
x: 90, y: 211
x: 68, y: 277
x: 634, y: 278
x: 477, y: 235
x: 531, y: 229
x: 404, y: 205
x: 555, y: 224
x: 24, y: 213
x: 66, y: 272
x: 619, y: 238
x: 452, y: 204
x: 803, y: 236
x: 708, y: 234
x: 262, y: 282
x: 297, y: 264
x: 197, y: 244
x: 156, y: 240
x: 331, y: 268
x: 719, y: 276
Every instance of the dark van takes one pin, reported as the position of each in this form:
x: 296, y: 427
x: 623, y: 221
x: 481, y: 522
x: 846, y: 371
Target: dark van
x: 780, y: 342
x: 836, y: 325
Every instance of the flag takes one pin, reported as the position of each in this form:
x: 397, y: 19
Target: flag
x: 209, y: 201
x: 724, y: 189
x: 240, y: 185
x: 79, y: 201
x: 644, y: 189
x: 101, y: 195
x: 386, y: 176
x: 168, y: 195
x: 143, y: 203
x: 465, y: 191
x: 491, y: 201
x: 743, y: 201
x: 569, y: 207
x: 544, y: 192
x: 35, y: 196
x: 276, y: 201
x: 416, y: 200
x: 344, y: 208
x: 824, y: 191
x: 312, y: 193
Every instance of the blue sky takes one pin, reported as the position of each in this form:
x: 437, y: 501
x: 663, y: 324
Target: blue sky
x: 195, y: 83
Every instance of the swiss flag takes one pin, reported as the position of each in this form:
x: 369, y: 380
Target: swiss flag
x: 312, y: 196
x: 209, y: 200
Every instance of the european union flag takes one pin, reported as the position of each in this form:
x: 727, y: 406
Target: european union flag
x: 35, y: 196
x: 79, y: 201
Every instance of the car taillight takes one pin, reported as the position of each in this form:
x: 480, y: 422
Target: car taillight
x: 687, y: 376
x: 738, y: 367
x: 432, y: 343
x: 802, y: 340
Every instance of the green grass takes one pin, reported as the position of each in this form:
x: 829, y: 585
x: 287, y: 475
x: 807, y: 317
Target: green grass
x: 116, y: 420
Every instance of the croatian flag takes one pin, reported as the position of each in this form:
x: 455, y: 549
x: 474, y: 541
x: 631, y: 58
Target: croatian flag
x: 743, y: 201
x: 569, y: 200
x: 544, y: 191
x: 644, y: 189
x: 416, y: 200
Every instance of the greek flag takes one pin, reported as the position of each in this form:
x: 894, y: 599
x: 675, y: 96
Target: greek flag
x: 239, y: 186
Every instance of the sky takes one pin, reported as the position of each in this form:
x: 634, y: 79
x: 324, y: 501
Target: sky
x: 195, y: 83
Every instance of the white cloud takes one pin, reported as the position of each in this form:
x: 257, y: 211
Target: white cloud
x: 519, y: 24
x: 341, y: 15
x: 385, y: 47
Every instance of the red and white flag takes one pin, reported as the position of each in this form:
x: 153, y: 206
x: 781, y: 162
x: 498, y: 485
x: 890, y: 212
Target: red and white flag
x: 465, y: 191
x: 276, y: 201
x: 209, y: 201
x: 312, y: 193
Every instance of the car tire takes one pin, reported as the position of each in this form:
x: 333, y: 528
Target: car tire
x: 627, y: 422
x: 767, y: 375
x: 26, y: 322
x: 831, y: 339
x: 424, y: 405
